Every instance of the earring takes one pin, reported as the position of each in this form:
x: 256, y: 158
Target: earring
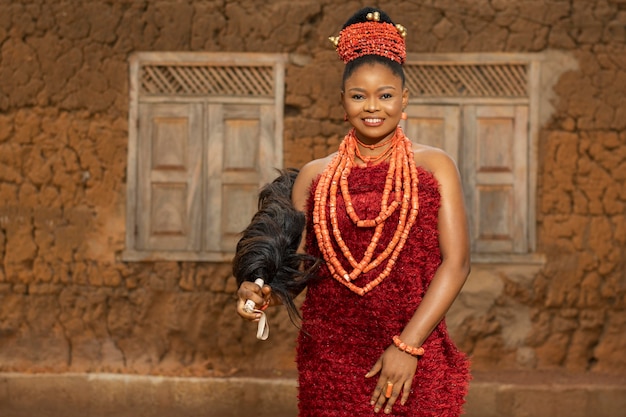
x: 403, y: 116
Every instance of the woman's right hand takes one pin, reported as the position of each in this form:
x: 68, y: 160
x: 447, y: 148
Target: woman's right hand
x: 260, y: 296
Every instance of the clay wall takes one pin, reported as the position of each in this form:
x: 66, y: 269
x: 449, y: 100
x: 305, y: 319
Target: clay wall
x: 68, y: 302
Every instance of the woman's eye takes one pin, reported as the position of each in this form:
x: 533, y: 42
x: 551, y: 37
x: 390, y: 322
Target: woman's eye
x: 386, y: 96
x: 357, y: 97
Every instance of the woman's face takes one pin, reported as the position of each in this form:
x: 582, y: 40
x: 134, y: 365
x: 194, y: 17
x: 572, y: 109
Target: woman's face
x: 373, y: 98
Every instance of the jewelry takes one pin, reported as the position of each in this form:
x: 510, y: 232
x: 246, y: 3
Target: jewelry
x: 389, y: 390
x: 371, y: 160
x: 401, y: 187
x: 373, y: 16
x: 411, y: 350
x: 375, y: 145
x: 371, y: 38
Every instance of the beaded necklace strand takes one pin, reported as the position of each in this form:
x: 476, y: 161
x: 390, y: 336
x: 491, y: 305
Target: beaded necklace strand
x: 401, y: 185
x: 374, y: 145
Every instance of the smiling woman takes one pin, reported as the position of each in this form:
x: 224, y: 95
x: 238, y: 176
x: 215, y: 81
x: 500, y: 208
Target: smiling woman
x: 374, y: 98
x: 388, y: 219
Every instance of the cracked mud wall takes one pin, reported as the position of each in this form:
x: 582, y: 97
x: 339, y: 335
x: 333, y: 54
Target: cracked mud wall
x: 67, y: 301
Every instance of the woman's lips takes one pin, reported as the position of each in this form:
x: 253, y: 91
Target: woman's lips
x: 372, y: 122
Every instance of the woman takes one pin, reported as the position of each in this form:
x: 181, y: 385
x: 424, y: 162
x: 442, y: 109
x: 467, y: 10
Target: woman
x: 388, y: 218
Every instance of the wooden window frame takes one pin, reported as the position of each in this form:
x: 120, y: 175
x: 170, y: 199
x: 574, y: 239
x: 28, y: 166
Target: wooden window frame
x: 526, y: 95
x: 179, y: 88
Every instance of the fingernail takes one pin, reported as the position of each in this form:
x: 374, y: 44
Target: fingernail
x: 387, y: 410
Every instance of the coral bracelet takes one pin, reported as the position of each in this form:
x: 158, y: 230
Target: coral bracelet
x: 411, y: 350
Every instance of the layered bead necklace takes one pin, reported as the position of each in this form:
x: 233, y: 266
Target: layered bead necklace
x: 401, y: 186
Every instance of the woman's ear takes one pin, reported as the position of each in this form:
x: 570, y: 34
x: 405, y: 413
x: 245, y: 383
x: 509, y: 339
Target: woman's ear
x: 342, y: 97
x: 405, y: 98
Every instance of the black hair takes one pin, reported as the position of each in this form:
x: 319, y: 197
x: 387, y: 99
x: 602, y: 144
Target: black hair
x: 361, y: 16
x: 395, y: 67
x: 268, y: 247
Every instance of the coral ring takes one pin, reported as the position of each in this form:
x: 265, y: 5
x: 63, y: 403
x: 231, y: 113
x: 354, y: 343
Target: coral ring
x: 389, y: 390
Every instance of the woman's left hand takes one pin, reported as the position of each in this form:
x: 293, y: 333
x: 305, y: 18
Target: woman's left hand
x: 396, y: 368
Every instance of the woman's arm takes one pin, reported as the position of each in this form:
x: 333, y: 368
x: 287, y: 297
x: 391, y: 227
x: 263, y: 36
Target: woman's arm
x: 455, y: 253
x: 396, y: 367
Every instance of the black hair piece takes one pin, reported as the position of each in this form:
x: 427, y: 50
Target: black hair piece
x: 268, y: 247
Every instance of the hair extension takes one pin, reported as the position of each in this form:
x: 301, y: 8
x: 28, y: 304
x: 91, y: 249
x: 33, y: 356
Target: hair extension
x: 268, y: 246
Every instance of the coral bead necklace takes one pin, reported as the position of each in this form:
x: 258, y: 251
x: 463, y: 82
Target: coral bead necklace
x: 401, y: 187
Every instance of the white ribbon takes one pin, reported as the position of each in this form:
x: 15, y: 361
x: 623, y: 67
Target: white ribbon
x: 263, y: 328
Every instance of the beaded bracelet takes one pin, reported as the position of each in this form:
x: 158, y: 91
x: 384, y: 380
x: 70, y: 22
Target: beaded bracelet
x: 411, y: 350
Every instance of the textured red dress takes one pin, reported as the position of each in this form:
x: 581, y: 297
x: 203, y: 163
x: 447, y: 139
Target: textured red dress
x: 343, y: 334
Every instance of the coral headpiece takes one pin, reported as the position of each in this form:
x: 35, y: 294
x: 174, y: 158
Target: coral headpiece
x: 371, y: 38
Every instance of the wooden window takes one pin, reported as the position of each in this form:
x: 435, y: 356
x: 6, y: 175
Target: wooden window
x: 205, y: 132
x: 495, y: 150
x: 481, y: 109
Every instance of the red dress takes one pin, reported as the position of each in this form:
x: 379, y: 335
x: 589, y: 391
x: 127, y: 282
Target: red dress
x: 343, y: 334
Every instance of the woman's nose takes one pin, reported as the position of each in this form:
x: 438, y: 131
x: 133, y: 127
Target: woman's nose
x: 371, y: 105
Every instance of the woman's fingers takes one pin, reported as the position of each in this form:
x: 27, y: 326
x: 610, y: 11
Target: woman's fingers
x: 387, y: 393
x: 375, y: 369
x: 391, y: 394
x: 251, y: 291
x: 406, y: 391
x: 395, y: 371
x: 245, y: 313
x: 378, y: 397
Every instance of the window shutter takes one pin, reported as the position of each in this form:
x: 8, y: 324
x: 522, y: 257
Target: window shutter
x: 169, y: 166
x: 436, y: 126
x: 495, y: 165
x: 240, y: 160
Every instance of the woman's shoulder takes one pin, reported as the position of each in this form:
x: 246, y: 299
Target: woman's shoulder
x: 432, y: 159
x: 437, y: 162
x: 308, y: 173
x: 312, y: 169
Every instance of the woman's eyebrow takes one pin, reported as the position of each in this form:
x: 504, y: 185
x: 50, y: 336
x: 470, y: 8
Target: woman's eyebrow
x: 385, y: 87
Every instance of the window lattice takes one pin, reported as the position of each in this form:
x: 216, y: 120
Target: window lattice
x: 467, y: 80
x: 193, y: 80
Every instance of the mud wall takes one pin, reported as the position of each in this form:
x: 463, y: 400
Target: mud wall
x: 67, y: 301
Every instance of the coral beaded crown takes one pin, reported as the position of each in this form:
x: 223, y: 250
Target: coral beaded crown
x: 372, y: 37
